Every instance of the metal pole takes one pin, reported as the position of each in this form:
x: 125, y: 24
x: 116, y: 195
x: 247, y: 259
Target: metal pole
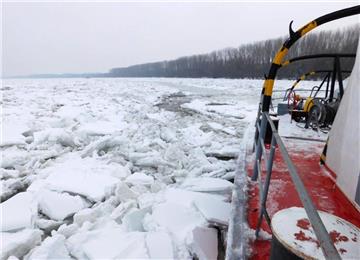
x: 327, y: 85
x: 320, y: 86
x: 258, y: 149
x: 333, y: 80
x: 339, y: 75
x: 267, y: 184
x: 256, y: 136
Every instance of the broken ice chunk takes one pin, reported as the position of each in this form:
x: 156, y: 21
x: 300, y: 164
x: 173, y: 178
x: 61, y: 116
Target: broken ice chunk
x: 124, y: 193
x: 88, y: 177
x: 12, y: 134
x: 103, y: 145
x: 13, y: 157
x: 54, y: 135
x: 100, y: 128
x: 68, y: 230
x: 225, y: 153
x: 174, y: 153
x: 146, y: 200
x: 194, y: 136
x: 208, y: 184
x: 19, y: 243
x: 152, y: 161
x: 167, y: 135
x: 119, y: 212
x: 203, y: 242
x: 47, y: 225
x: 159, y: 245
x: 12, y: 186
x: 18, y: 212
x: 197, y: 159
x: 51, y: 248
x: 178, y: 219
x: 92, y: 214
x: 186, y: 198
x: 115, y: 244
x: 59, y: 206
x: 139, y: 178
x: 219, y: 127
x: 214, y: 211
x: 133, y: 219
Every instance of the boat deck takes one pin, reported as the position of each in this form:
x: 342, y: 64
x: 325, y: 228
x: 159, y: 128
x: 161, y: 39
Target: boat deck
x: 282, y: 194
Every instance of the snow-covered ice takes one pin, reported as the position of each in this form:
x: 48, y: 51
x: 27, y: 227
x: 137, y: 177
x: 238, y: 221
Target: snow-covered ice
x: 88, y: 177
x: 159, y: 245
x: 115, y: 244
x: 12, y: 134
x: 187, y: 198
x: 214, y: 211
x: 204, y: 242
x: 51, y: 248
x: 19, y: 243
x: 58, y: 206
x: 176, y: 218
x: 18, y: 212
x: 207, y: 184
x: 133, y: 219
x: 111, y: 168
x: 139, y: 178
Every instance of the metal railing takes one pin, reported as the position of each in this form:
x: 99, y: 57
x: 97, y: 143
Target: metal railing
x: 315, y: 88
x: 321, y: 233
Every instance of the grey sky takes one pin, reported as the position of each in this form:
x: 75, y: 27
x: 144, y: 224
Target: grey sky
x: 94, y: 37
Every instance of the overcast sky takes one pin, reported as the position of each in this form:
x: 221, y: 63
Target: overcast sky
x: 95, y: 37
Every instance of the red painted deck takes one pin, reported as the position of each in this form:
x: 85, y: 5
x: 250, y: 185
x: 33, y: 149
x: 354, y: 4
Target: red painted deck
x: 282, y: 194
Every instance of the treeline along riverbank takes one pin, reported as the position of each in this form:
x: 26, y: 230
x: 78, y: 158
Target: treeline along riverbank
x: 247, y: 61
x: 252, y: 60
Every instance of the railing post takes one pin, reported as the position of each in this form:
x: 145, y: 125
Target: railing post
x: 272, y: 154
x: 258, y: 149
x: 256, y: 136
x: 266, y: 185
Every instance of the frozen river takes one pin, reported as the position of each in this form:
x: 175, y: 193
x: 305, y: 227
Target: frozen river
x: 120, y: 168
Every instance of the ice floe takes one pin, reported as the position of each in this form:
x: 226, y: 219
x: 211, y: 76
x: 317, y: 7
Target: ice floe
x: 139, y: 178
x: 115, y: 244
x: 100, y: 128
x: 124, y: 193
x: 47, y: 225
x: 12, y: 134
x: 59, y: 206
x: 159, y: 245
x: 187, y: 198
x: 52, y: 136
x: 51, y: 248
x: 228, y: 110
x: 13, y: 157
x: 18, y: 212
x: 204, y: 243
x: 176, y: 218
x: 87, y: 177
x: 214, y: 211
x: 133, y: 219
x: 19, y: 243
x: 208, y: 184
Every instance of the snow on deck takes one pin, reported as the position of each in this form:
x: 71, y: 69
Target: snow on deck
x: 318, y: 181
x: 292, y: 227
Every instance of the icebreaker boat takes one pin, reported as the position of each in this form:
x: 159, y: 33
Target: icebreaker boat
x: 297, y: 191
